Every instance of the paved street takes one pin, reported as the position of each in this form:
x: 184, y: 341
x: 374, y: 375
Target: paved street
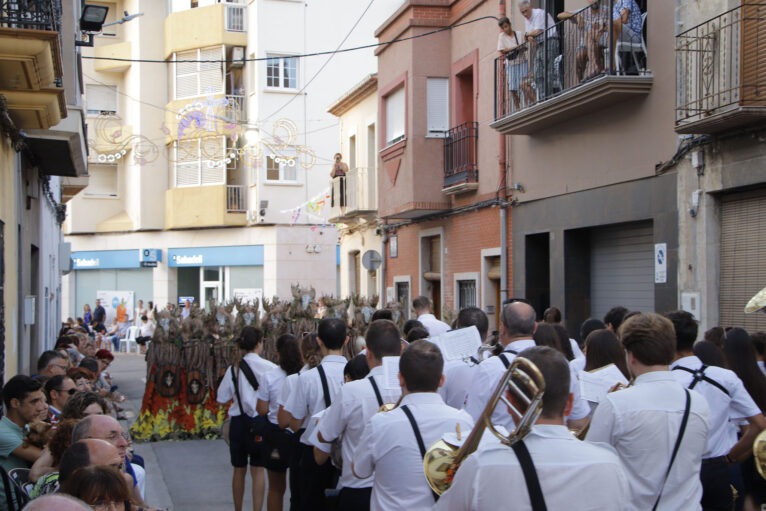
x: 193, y: 475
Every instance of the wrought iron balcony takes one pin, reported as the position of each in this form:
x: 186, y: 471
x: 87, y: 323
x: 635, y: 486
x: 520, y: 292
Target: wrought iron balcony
x: 236, y: 199
x: 30, y: 14
x: 721, y: 77
x: 461, y: 172
x: 567, y: 71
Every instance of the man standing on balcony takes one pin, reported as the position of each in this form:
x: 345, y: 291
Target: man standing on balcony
x: 535, y: 21
x: 339, y: 170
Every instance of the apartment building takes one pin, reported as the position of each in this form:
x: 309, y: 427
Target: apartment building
x: 595, y: 218
x: 354, y: 197
x: 442, y: 169
x: 720, y: 118
x: 42, y: 158
x: 210, y: 167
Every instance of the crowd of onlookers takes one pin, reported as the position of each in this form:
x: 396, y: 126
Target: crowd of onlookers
x: 108, y: 334
x: 62, y: 446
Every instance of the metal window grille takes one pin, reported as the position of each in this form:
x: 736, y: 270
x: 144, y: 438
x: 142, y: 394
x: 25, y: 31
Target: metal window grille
x: 466, y: 293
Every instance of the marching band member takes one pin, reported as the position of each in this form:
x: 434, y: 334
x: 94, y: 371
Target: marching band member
x: 658, y: 427
x: 458, y: 373
x: 393, y: 444
x: 727, y: 398
x: 354, y: 405
x: 315, y: 391
x: 571, y: 474
x: 518, y: 326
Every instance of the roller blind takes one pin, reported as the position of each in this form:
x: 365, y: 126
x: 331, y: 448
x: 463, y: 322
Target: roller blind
x: 395, y: 116
x: 101, y: 98
x: 102, y: 181
x: 437, y: 97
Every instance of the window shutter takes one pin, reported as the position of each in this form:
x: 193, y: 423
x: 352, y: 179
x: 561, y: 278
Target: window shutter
x: 101, y: 98
x: 187, y: 163
x: 102, y: 181
x: 210, y: 73
x: 395, y: 115
x: 212, y: 167
x: 437, y: 97
x: 186, y: 74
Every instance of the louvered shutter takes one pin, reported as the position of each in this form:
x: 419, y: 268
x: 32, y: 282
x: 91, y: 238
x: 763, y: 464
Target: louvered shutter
x: 395, y: 115
x: 187, y: 163
x: 210, y: 73
x: 186, y: 75
x: 437, y: 97
x: 100, y: 98
x: 212, y: 150
x: 743, y: 244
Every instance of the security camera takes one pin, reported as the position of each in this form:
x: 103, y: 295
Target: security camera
x: 261, y: 219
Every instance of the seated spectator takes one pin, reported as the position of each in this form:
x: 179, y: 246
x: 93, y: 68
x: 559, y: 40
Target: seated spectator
x: 52, y: 363
x: 102, y: 487
x: 145, y: 332
x: 105, y: 359
x: 113, y: 334
x: 83, y: 378
x: 44, y: 471
x: 57, y: 502
x: 84, y: 404
x: 58, y: 390
x: 593, y: 25
x: 87, y: 452
x: 24, y: 402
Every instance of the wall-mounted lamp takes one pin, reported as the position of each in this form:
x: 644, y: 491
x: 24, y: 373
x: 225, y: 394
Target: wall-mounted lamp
x: 92, y: 21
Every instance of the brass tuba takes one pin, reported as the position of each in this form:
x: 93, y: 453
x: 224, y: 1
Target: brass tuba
x: 525, y: 382
x: 759, y: 453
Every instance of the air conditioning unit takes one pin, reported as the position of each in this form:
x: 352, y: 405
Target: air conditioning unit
x: 237, y: 57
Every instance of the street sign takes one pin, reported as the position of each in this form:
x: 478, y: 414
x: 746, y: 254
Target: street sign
x: 660, y: 263
x: 371, y: 260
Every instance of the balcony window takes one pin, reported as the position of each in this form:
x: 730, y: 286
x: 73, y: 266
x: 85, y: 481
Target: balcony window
x: 721, y: 79
x: 196, y: 78
x: 395, y: 116
x: 101, y: 99
x: 200, y: 161
x: 578, y: 67
x: 437, y: 106
x: 282, y: 72
x: 281, y: 168
x: 461, y: 172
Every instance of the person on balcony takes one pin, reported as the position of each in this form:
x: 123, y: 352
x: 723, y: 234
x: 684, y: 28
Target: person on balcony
x: 535, y: 25
x: 339, y: 170
x: 627, y: 25
x: 509, y: 44
x: 593, y: 25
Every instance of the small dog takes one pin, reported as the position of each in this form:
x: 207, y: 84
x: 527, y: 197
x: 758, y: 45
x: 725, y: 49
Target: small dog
x: 37, y: 434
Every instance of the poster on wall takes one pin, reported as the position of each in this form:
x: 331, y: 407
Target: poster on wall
x: 117, y: 304
x: 247, y: 295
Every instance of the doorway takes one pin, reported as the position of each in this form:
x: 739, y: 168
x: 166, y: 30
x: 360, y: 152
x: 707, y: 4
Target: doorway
x: 538, y: 273
x: 211, y: 284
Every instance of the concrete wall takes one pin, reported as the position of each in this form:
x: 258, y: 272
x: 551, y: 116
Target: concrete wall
x: 361, y: 240
x: 9, y: 215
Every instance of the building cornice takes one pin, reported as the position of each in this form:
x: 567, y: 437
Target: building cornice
x: 355, y: 95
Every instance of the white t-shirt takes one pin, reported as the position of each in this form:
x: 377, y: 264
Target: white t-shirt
x: 226, y: 392
x: 271, y: 387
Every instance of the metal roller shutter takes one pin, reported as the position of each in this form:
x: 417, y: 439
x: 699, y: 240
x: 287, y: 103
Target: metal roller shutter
x: 622, y: 268
x: 743, y: 245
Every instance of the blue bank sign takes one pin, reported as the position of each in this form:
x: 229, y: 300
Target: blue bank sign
x: 251, y: 255
x: 105, y: 259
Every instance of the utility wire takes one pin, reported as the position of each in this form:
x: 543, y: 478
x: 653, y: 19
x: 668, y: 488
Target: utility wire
x: 304, y: 55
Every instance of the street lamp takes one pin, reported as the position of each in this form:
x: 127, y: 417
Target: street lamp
x: 91, y: 21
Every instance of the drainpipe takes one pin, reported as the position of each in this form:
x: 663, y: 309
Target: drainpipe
x: 383, y: 242
x: 503, y: 211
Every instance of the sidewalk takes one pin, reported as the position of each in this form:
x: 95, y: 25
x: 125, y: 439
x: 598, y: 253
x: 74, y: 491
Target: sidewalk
x: 192, y: 475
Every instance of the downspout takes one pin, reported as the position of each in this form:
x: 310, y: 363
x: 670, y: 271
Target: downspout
x: 503, y: 211
x: 383, y: 242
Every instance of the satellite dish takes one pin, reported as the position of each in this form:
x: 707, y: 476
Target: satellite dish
x: 371, y: 260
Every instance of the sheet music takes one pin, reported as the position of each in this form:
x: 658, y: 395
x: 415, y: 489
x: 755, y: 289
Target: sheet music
x: 458, y: 344
x: 595, y: 384
x: 391, y: 373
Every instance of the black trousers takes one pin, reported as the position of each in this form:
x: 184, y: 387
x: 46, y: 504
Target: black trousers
x: 296, y: 503
x: 716, y: 485
x: 314, y: 479
x: 354, y: 499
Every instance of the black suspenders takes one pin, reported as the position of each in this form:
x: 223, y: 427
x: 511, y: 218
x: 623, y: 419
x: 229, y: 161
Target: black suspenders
x: 325, y: 388
x: 699, y: 375
x: 377, y: 391
x: 505, y: 360
x: 418, y: 437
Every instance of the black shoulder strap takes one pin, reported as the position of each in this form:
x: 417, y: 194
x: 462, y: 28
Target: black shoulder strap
x: 681, y: 431
x: 376, y: 389
x: 699, y: 375
x: 504, y: 360
x: 236, y: 391
x: 325, y: 388
x: 530, y: 476
x: 245, y: 368
x: 418, y: 437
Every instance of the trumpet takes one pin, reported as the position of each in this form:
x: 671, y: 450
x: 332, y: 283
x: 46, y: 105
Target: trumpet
x: 442, y: 460
x: 387, y: 407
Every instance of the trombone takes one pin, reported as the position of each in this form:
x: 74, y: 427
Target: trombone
x: 526, y: 384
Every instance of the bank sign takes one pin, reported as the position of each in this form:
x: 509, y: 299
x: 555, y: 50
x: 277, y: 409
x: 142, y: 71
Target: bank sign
x: 251, y: 255
x: 105, y: 259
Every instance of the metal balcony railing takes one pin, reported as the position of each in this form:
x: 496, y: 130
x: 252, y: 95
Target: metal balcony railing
x: 460, y: 154
x: 236, y: 18
x: 236, y: 108
x: 236, y: 199
x: 568, y: 54
x: 30, y: 14
x: 720, y: 65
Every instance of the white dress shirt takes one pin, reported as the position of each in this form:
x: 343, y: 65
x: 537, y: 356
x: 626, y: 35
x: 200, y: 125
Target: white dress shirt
x: 388, y: 448
x: 762, y: 366
x: 573, y: 475
x: 349, y: 414
x: 457, y: 378
x: 578, y: 364
x: 259, y: 366
x: 288, y: 387
x: 433, y: 325
x: 737, y: 405
x: 642, y: 423
x: 271, y: 387
x: 576, y: 351
x: 308, y: 397
x: 537, y: 22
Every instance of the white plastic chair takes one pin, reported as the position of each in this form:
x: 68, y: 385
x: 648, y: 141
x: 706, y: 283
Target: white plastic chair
x: 632, y: 47
x: 130, y: 338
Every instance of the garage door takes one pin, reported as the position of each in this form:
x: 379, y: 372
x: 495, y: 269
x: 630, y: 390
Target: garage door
x: 622, y: 268
x: 743, y: 249
x: 88, y: 282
